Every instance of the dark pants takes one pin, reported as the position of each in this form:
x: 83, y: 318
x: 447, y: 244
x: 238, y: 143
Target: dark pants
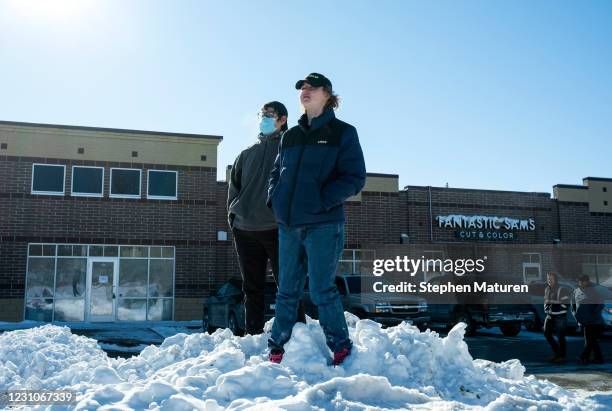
x: 591, y: 334
x: 254, y: 249
x: 556, y: 325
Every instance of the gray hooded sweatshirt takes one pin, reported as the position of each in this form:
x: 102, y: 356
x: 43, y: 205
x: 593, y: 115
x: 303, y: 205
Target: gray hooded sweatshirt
x: 248, y: 186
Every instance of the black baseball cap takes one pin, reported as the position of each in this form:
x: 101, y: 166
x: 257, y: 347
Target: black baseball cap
x: 315, y: 80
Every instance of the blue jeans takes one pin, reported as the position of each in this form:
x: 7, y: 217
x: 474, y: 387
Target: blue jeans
x: 316, y: 249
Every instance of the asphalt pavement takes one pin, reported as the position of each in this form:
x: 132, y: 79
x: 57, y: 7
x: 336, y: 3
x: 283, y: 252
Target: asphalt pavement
x: 533, y: 351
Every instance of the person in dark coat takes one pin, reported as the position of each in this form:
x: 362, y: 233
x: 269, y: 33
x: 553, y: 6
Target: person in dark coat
x: 319, y: 165
x: 252, y: 222
x: 588, y: 305
x: 556, y: 303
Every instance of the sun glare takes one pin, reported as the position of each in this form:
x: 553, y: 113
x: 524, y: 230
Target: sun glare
x: 50, y: 9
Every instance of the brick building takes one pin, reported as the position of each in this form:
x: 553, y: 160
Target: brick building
x: 104, y: 224
x: 122, y: 225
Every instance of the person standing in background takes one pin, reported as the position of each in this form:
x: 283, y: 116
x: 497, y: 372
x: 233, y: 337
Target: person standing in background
x: 556, y: 303
x: 252, y: 222
x: 588, y: 308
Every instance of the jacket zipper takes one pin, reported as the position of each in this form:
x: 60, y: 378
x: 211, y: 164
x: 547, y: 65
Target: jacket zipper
x: 295, y: 181
x: 263, y: 159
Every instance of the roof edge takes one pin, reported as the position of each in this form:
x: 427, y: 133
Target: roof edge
x: 110, y: 130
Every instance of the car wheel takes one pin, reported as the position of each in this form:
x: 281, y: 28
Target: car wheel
x: 359, y: 313
x: 510, y: 329
x: 534, y: 325
x: 232, y: 324
x: 206, y: 327
x: 422, y: 327
x: 464, y: 317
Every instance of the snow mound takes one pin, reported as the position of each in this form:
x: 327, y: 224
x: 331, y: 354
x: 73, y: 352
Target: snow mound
x: 393, y: 368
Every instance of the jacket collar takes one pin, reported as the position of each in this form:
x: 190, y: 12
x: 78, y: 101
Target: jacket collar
x: 317, y: 122
x: 271, y: 137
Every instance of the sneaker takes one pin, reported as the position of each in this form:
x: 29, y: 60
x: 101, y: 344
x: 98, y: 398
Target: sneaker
x: 276, y: 356
x: 340, y: 356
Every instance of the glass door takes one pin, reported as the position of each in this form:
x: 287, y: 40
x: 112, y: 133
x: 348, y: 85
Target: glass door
x: 101, y: 285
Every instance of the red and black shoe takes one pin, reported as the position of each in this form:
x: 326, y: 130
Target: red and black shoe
x: 340, y: 356
x: 276, y: 356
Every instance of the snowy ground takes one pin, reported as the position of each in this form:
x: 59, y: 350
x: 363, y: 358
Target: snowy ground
x: 393, y: 368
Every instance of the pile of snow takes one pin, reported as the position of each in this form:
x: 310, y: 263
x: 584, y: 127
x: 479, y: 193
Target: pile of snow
x: 391, y: 368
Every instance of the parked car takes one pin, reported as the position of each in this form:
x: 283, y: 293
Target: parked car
x: 536, y: 295
x: 359, y: 299
x: 607, y: 315
x: 478, y: 309
x: 225, y: 309
x: 606, y: 295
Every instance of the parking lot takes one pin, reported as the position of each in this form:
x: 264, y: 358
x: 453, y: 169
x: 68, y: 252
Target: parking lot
x: 532, y: 350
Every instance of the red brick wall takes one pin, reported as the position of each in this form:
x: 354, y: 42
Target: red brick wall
x: 580, y: 226
x: 445, y: 201
x: 187, y: 223
x: 191, y: 223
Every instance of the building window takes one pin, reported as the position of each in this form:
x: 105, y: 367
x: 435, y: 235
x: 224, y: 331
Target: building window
x: 48, y: 179
x: 162, y: 185
x: 605, y: 189
x: 59, y: 287
x: 532, y: 267
x: 125, y: 182
x: 598, y: 267
x: 434, y: 262
x: 87, y: 181
x: 354, y: 261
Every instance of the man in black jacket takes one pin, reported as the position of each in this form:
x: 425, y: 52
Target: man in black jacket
x: 252, y: 222
x: 588, y: 305
x: 556, y: 303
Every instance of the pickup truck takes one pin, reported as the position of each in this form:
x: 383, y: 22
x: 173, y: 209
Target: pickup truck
x: 359, y: 298
x: 477, y: 310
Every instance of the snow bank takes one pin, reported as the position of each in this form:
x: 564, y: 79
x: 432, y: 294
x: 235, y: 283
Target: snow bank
x: 391, y: 368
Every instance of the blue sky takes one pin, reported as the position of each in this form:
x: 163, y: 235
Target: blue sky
x: 496, y: 95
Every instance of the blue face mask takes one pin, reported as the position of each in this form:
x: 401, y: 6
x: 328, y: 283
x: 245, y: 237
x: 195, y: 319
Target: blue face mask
x: 267, y: 126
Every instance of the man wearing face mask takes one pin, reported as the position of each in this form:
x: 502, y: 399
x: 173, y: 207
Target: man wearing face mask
x: 252, y: 222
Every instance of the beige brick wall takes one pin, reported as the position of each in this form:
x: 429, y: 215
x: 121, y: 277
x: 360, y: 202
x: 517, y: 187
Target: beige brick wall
x: 102, y: 145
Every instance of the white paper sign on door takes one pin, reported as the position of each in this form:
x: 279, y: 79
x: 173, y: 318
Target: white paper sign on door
x: 103, y: 279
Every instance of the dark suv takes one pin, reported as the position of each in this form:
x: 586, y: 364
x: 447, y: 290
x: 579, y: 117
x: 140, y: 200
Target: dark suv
x: 225, y: 309
x: 359, y: 299
x: 479, y: 309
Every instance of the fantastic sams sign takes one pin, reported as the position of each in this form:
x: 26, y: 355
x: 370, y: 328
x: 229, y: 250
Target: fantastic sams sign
x: 479, y: 227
